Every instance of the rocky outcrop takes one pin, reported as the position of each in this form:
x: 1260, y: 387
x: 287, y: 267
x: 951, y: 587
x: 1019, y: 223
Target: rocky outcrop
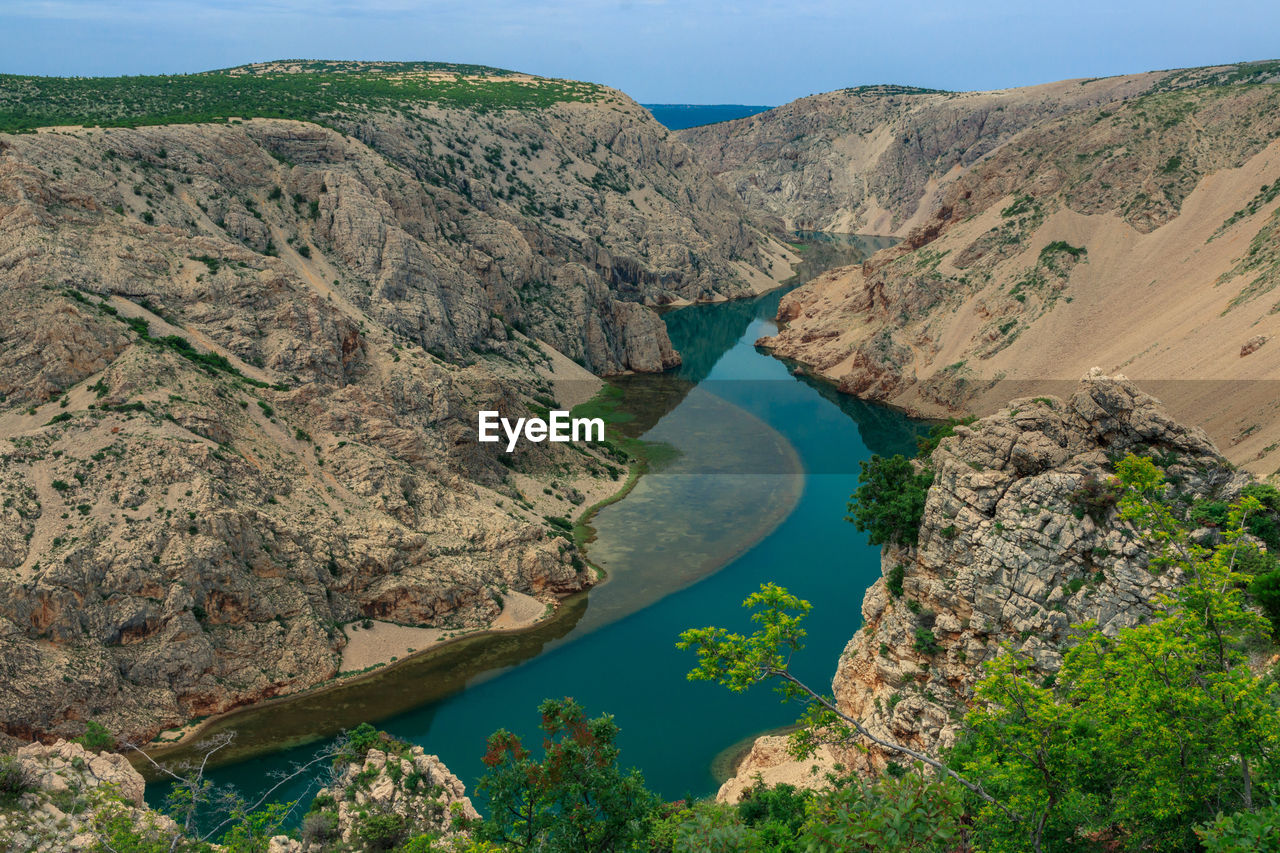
x: 1130, y: 233
x: 76, y: 799
x: 770, y: 763
x: 416, y: 791
x: 72, y: 793
x: 1010, y: 555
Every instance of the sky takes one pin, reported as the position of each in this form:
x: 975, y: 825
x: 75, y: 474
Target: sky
x: 657, y: 51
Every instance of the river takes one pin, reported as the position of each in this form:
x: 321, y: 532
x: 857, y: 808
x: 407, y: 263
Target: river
x: 758, y: 492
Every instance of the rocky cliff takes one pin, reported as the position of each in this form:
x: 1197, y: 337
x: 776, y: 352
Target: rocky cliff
x: 877, y: 159
x: 1138, y: 234
x: 242, y: 361
x: 417, y: 791
x: 1009, y: 555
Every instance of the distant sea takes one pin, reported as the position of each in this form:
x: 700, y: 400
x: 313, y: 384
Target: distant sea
x: 677, y: 116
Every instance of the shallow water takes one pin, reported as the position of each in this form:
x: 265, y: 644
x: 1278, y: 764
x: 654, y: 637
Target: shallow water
x: 758, y: 494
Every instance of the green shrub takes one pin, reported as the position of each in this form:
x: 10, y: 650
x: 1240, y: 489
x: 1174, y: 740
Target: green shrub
x: 777, y: 814
x: 96, y: 737
x: 1095, y: 496
x: 927, y: 443
x: 893, y: 582
x: 889, y: 502
x: 382, y: 831
x: 1208, y: 514
x: 14, y: 781
x: 926, y: 642
x: 1242, y: 832
x: 1265, y: 590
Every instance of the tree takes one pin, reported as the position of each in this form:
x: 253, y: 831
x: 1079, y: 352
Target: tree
x: 738, y: 662
x: 889, y: 501
x: 887, y: 815
x: 194, y: 803
x: 575, y: 799
x: 1145, y: 734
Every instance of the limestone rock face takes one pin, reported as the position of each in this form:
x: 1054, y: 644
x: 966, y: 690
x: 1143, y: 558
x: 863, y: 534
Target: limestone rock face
x: 770, y: 762
x: 1007, y: 556
x: 873, y: 159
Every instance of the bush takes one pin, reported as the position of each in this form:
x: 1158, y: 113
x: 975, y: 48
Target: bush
x: 96, y: 737
x: 382, y: 831
x: 1208, y: 514
x: 1242, y: 832
x: 889, y: 502
x: 14, y: 781
x: 1265, y: 590
x: 926, y: 642
x: 1095, y: 496
x: 360, y: 740
x: 926, y: 444
x: 893, y: 583
x: 777, y: 814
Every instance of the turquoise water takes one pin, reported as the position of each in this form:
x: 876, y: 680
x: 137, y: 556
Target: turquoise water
x: 625, y: 663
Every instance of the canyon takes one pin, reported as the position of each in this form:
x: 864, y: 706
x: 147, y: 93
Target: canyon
x: 242, y: 361
x: 241, y: 366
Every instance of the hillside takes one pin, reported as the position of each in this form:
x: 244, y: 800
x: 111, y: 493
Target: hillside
x: 242, y: 359
x: 1137, y: 234
x: 1019, y: 545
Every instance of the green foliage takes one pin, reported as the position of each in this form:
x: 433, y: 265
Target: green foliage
x: 13, y: 780
x: 1264, y: 524
x: 1061, y: 247
x: 117, y: 831
x: 704, y: 828
x: 319, y: 92
x: 253, y: 830
x: 1095, y: 496
x: 96, y: 737
x: 1265, y: 590
x: 926, y: 444
x: 359, y: 741
x: 1243, y: 832
x: 1145, y: 734
x: 381, y: 831
x: 926, y: 642
x: 777, y: 815
x: 893, y: 582
x: 915, y: 812
x: 889, y: 502
x: 575, y: 799
x: 1021, y: 204
x: 736, y: 661
x: 1208, y: 513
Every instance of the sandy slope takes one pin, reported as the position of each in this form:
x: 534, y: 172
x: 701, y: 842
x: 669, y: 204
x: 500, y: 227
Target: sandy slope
x: 1145, y: 304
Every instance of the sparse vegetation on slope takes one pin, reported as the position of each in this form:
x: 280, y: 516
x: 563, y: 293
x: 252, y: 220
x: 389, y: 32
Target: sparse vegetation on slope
x: 312, y: 91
